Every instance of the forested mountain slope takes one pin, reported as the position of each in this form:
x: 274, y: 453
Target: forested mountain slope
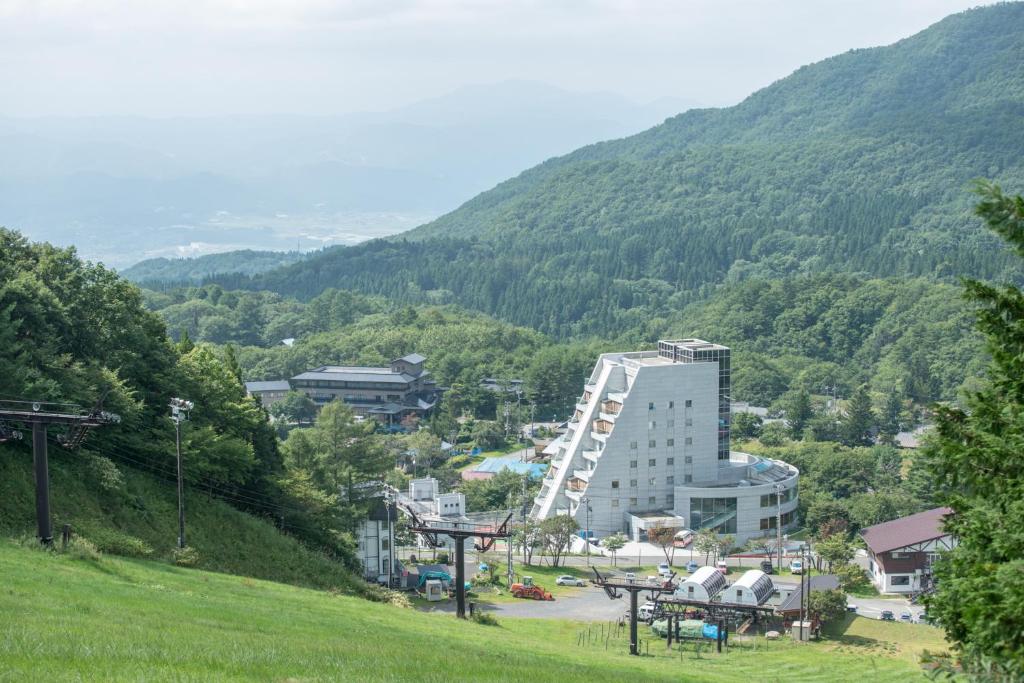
x: 857, y: 163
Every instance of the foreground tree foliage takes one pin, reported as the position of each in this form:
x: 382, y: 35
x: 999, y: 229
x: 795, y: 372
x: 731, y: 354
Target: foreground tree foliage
x: 978, y: 460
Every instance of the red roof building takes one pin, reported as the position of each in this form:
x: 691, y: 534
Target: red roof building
x: 902, y: 551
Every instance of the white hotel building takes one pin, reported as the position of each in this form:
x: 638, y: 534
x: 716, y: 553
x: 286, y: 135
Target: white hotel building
x: 648, y: 445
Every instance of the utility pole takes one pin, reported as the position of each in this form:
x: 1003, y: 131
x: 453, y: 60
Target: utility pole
x: 533, y: 407
x: 389, y: 498
x: 179, y: 411
x: 804, y: 597
x: 778, y: 521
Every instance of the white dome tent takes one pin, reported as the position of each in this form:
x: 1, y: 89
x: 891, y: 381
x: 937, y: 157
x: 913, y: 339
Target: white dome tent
x: 703, y: 585
x: 753, y: 588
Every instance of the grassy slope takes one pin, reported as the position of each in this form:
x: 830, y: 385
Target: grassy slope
x: 119, y: 619
x: 145, y: 508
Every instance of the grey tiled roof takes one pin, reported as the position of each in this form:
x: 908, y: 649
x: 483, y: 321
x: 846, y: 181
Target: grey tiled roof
x: 275, y: 385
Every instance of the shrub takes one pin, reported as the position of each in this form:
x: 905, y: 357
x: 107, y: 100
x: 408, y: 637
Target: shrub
x: 115, y: 542
x: 442, y: 558
x: 485, y: 618
x: 185, y: 557
x: 82, y: 549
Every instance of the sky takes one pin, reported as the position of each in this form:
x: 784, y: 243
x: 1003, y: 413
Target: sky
x: 227, y: 57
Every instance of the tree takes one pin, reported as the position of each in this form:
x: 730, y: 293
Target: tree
x: 558, y: 532
x: 488, y: 435
x: 746, y: 425
x: 826, y: 605
x: 774, y: 434
x: 664, y: 536
x: 798, y: 412
x: 855, y: 427
x: 891, y: 414
x: 835, y: 550
x: 851, y: 577
x: 977, y: 461
x: 527, y: 538
x: 615, y: 543
x: 296, y: 406
x: 705, y: 542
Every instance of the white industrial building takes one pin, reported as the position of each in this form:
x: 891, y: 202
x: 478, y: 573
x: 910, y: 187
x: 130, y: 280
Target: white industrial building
x: 649, y: 440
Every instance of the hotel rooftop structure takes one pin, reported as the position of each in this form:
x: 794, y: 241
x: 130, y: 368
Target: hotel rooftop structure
x: 648, y: 445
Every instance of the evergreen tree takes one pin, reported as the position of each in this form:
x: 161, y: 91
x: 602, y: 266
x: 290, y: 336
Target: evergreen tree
x: 978, y: 461
x: 855, y: 428
x: 890, y: 422
x: 798, y: 412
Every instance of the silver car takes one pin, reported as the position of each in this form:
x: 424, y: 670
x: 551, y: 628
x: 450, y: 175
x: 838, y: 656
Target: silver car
x: 566, y: 580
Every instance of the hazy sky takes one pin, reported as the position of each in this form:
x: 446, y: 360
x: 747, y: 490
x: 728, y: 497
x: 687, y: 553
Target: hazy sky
x: 210, y: 57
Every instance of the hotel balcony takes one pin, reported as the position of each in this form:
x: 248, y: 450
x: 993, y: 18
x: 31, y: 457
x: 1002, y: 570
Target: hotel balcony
x: 609, y: 407
x: 592, y: 456
x: 583, y: 475
x: 603, y: 426
x: 573, y: 495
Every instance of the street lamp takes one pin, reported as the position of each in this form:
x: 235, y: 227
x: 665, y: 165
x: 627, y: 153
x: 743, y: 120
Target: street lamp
x: 586, y: 501
x: 778, y: 521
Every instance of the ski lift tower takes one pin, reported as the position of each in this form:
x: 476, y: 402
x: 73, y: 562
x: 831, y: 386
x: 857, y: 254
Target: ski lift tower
x: 39, y: 416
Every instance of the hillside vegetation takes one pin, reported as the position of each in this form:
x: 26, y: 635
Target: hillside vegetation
x: 74, y: 618
x: 857, y: 163
x: 245, y: 261
x: 133, y: 512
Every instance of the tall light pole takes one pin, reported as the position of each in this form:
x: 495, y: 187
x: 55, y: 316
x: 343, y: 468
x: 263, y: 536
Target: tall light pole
x: 179, y: 411
x: 586, y: 501
x: 778, y: 522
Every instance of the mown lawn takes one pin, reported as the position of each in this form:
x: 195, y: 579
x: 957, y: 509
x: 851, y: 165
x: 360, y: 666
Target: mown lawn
x: 116, y: 619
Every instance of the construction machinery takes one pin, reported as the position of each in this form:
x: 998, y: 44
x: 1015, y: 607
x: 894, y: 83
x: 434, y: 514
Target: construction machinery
x: 528, y: 589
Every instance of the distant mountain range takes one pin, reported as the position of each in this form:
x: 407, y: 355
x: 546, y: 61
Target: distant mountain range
x: 123, y: 188
x: 861, y: 162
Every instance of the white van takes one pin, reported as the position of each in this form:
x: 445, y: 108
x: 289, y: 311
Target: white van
x: 796, y: 567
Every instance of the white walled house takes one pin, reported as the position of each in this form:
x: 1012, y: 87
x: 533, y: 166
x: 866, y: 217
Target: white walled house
x: 373, y: 540
x: 901, y: 552
x: 650, y: 438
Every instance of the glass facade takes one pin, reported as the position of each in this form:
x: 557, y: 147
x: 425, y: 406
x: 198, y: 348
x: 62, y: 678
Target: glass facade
x: 717, y: 514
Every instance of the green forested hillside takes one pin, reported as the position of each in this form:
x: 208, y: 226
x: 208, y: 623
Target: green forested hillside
x: 858, y: 163
x: 246, y: 262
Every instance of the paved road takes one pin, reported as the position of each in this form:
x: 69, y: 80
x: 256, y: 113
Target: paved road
x: 584, y: 604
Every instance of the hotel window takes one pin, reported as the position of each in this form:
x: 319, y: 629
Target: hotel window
x: 632, y: 501
x: 688, y: 478
x: 651, y: 481
x: 652, y: 462
x: 670, y: 500
x: 670, y: 461
x: 632, y: 445
x: 688, y: 460
x: 650, y: 406
x: 670, y: 480
x: 689, y: 441
x: 671, y: 424
x: 652, y: 500
x: 615, y: 483
x: 632, y: 464
x: 670, y: 443
x: 689, y: 422
x: 632, y: 483
x: 652, y: 443
x: 689, y: 403
x: 900, y: 580
x: 615, y: 502
x: 652, y: 424
x: 671, y: 404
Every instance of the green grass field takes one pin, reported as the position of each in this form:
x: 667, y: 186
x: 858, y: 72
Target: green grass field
x: 112, y: 619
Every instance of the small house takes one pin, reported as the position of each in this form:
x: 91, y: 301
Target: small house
x: 702, y: 586
x: 753, y: 588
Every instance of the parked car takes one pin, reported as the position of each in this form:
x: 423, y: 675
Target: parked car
x: 691, y: 566
x: 850, y: 607
x: 767, y: 567
x: 796, y: 567
x: 566, y: 580
x: 907, y: 616
x: 683, y: 539
x: 664, y: 569
x: 648, y: 612
x: 722, y: 566
x: 630, y: 577
x: 887, y: 615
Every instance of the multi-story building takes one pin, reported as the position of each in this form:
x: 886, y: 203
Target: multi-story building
x: 387, y: 394
x: 648, y: 444
x: 268, y: 393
